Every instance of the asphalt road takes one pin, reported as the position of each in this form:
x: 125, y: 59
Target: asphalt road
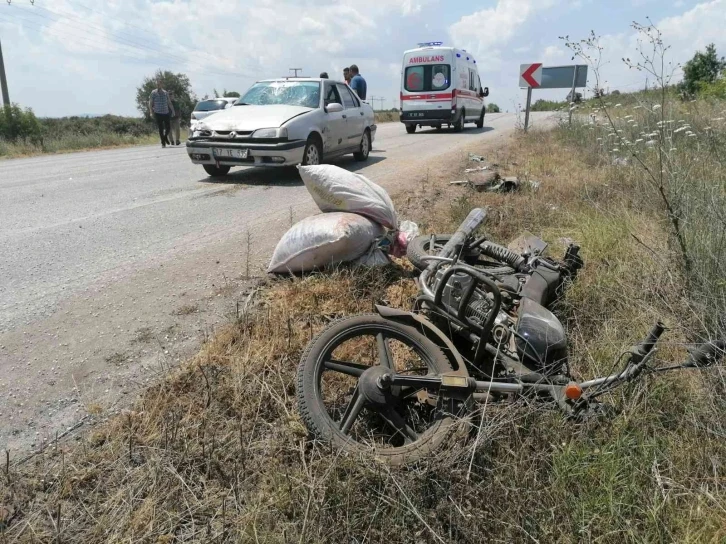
x: 114, y: 264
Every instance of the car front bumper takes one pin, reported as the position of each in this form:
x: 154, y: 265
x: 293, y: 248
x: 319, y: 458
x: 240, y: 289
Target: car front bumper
x: 259, y: 154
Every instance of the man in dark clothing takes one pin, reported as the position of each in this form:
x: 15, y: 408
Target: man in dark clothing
x: 357, y: 83
x: 161, y: 109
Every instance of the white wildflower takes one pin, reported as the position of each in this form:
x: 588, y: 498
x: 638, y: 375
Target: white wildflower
x: 672, y: 149
x: 656, y: 107
x: 681, y: 129
x: 618, y: 105
x: 691, y: 135
x: 707, y: 128
x: 651, y: 143
x: 718, y: 119
x: 639, y: 140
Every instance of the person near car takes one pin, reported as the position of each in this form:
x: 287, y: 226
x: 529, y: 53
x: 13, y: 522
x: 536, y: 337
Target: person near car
x: 324, y: 75
x: 346, y: 75
x: 357, y: 83
x: 161, y: 110
x: 175, y: 119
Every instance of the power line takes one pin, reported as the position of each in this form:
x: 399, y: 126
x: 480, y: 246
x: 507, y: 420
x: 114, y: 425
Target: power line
x: 132, y: 40
x: 130, y: 46
x: 131, y: 52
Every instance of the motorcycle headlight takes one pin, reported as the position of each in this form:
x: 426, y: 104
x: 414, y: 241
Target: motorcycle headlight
x: 270, y: 133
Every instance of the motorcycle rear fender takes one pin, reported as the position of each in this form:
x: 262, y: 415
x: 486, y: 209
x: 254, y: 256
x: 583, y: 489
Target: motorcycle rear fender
x: 457, y: 362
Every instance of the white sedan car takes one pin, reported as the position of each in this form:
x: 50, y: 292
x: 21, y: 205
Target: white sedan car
x: 285, y: 122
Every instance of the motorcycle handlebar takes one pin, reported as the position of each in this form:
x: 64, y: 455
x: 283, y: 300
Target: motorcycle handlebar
x: 649, y: 343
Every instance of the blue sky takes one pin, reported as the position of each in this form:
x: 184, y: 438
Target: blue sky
x: 66, y: 57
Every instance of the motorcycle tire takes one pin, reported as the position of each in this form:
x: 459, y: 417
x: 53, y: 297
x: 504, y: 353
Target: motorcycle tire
x: 419, y: 247
x: 415, y: 434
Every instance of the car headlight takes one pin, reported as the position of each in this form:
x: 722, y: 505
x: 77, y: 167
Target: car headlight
x: 270, y: 133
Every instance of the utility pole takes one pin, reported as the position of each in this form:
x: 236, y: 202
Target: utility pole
x: 296, y: 70
x: 3, y: 80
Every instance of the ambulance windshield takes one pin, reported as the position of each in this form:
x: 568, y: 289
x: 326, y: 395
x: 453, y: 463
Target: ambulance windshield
x: 427, y: 78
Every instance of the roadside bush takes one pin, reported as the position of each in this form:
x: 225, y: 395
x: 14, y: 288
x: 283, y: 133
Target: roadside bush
x: 17, y: 123
x: 493, y: 108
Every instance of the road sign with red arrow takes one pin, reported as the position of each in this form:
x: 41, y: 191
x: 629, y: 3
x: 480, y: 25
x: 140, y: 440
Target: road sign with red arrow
x: 530, y: 75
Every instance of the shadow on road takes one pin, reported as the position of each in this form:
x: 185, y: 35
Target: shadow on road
x: 473, y: 131
x: 282, y: 177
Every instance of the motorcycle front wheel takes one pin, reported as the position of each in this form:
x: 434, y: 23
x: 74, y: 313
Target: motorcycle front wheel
x: 341, y: 400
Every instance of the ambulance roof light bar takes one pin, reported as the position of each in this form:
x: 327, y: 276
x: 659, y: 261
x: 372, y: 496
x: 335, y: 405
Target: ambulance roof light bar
x: 430, y: 44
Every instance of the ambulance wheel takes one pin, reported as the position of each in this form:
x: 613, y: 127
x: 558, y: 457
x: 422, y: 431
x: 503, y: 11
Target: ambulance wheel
x: 410, y: 129
x: 437, y: 127
x: 459, y: 126
x: 480, y: 122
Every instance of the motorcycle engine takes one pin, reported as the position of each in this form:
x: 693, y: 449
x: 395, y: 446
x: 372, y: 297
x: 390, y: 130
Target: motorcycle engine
x: 480, y: 305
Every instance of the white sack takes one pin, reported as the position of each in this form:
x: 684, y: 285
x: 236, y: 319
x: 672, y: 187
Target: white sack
x: 324, y: 240
x: 337, y: 190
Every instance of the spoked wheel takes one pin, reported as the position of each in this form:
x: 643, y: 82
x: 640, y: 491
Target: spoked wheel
x: 344, y: 401
x: 421, y: 247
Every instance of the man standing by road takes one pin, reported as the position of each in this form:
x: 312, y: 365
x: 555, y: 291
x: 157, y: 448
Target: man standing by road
x: 160, y: 109
x: 346, y: 75
x: 357, y: 83
x: 175, y: 119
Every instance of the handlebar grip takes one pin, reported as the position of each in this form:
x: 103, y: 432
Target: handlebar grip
x: 649, y: 343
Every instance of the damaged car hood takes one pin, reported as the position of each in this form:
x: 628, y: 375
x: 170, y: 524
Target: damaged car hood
x: 250, y: 118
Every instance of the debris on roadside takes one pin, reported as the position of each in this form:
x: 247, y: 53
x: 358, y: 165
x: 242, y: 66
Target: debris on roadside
x: 358, y: 225
x: 470, y: 170
x: 620, y: 161
x: 459, y: 182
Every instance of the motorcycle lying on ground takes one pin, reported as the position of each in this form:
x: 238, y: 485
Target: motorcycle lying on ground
x: 395, y: 383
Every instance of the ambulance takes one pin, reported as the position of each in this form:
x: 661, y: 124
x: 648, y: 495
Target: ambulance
x: 441, y: 86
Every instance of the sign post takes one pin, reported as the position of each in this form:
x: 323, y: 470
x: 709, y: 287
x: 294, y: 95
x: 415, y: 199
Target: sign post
x: 572, y: 95
x: 535, y: 76
x: 530, y: 76
x: 526, y: 113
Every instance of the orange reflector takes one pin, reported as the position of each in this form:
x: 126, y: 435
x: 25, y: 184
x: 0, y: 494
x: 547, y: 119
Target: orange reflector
x: 573, y: 391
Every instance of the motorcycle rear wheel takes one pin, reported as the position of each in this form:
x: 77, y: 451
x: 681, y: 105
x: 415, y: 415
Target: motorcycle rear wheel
x: 420, y: 247
x: 337, y: 372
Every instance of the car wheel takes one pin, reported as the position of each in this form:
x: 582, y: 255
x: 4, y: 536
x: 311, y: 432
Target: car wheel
x: 313, y: 154
x: 459, y: 126
x: 365, y: 147
x: 410, y: 129
x: 216, y: 171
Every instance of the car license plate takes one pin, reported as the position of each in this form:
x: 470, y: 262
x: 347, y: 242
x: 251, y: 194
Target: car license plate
x: 225, y: 152
x: 417, y: 114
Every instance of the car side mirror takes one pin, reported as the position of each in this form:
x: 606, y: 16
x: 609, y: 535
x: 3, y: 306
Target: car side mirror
x: 484, y: 92
x: 334, y: 107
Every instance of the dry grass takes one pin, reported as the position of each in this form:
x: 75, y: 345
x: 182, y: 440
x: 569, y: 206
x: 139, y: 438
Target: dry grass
x: 387, y: 117
x: 217, y: 453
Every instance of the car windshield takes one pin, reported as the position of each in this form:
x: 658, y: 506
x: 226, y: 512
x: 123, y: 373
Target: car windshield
x: 210, y: 105
x: 287, y: 93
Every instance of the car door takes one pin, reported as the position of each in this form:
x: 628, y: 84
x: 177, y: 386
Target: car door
x: 356, y: 116
x: 336, y: 124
